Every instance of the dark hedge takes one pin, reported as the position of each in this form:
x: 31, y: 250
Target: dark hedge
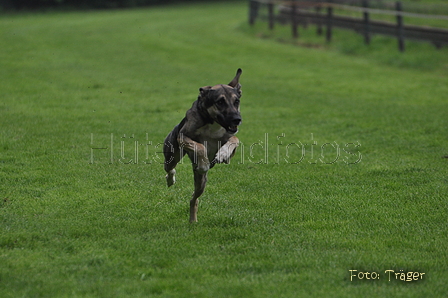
x: 82, y: 4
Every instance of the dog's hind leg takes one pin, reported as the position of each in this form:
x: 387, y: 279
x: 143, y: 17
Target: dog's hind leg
x: 170, y: 177
x: 200, y: 179
x: 172, y: 156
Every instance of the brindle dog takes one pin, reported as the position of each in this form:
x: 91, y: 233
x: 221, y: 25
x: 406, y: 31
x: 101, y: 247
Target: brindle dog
x: 206, y: 134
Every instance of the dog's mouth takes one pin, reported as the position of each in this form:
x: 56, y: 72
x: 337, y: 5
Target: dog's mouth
x: 230, y: 125
x: 232, y: 129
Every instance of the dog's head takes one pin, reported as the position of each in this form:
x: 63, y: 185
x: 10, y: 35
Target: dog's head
x: 222, y: 103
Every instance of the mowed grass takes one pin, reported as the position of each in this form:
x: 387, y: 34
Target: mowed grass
x: 341, y: 166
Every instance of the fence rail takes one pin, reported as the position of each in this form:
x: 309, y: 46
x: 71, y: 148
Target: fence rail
x: 323, y: 15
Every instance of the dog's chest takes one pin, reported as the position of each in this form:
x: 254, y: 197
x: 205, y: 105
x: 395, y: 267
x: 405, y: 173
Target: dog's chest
x: 211, y: 132
x: 212, y: 136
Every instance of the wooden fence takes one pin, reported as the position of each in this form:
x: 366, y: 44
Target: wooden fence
x: 323, y: 15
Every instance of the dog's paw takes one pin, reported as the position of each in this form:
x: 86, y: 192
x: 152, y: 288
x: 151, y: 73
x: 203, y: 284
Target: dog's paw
x: 221, y: 159
x: 224, y: 154
x: 171, y: 178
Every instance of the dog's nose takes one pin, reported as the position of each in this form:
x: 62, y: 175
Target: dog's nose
x: 236, y: 121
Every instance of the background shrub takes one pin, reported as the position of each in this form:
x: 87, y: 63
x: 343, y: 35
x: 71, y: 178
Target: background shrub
x: 101, y: 4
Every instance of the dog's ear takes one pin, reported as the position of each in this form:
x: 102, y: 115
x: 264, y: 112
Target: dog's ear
x: 235, y: 83
x: 203, y: 92
x: 236, y: 79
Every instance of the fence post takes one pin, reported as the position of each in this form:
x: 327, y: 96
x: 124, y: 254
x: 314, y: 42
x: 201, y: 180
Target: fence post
x: 329, y: 21
x: 271, y: 15
x: 365, y: 4
x: 319, y: 22
x: 400, y: 35
x: 294, y: 22
x: 253, y: 11
x: 437, y: 44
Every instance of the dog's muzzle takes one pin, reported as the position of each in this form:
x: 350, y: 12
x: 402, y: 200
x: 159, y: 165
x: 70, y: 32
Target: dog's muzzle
x: 234, y: 123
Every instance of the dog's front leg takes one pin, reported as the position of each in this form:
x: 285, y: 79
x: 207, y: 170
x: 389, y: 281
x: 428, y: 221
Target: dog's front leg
x: 197, y: 153
x: 227, y: 151
x: 199, y: 185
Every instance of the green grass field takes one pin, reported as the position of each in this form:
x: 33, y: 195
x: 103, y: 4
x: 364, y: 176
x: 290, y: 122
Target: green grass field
x: 352, y: 176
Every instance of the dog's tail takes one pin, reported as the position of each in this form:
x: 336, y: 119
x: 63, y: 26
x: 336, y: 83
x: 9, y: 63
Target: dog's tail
x: 236, y: 79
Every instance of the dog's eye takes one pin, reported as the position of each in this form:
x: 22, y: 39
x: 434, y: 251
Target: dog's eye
x: 221, y: 102
x: 237, y: 102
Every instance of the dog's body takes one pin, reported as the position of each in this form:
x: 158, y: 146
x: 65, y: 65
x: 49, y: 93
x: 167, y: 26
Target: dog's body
x: 206, y: 134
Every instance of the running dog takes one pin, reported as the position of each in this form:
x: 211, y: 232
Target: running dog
x: 206, y: 134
